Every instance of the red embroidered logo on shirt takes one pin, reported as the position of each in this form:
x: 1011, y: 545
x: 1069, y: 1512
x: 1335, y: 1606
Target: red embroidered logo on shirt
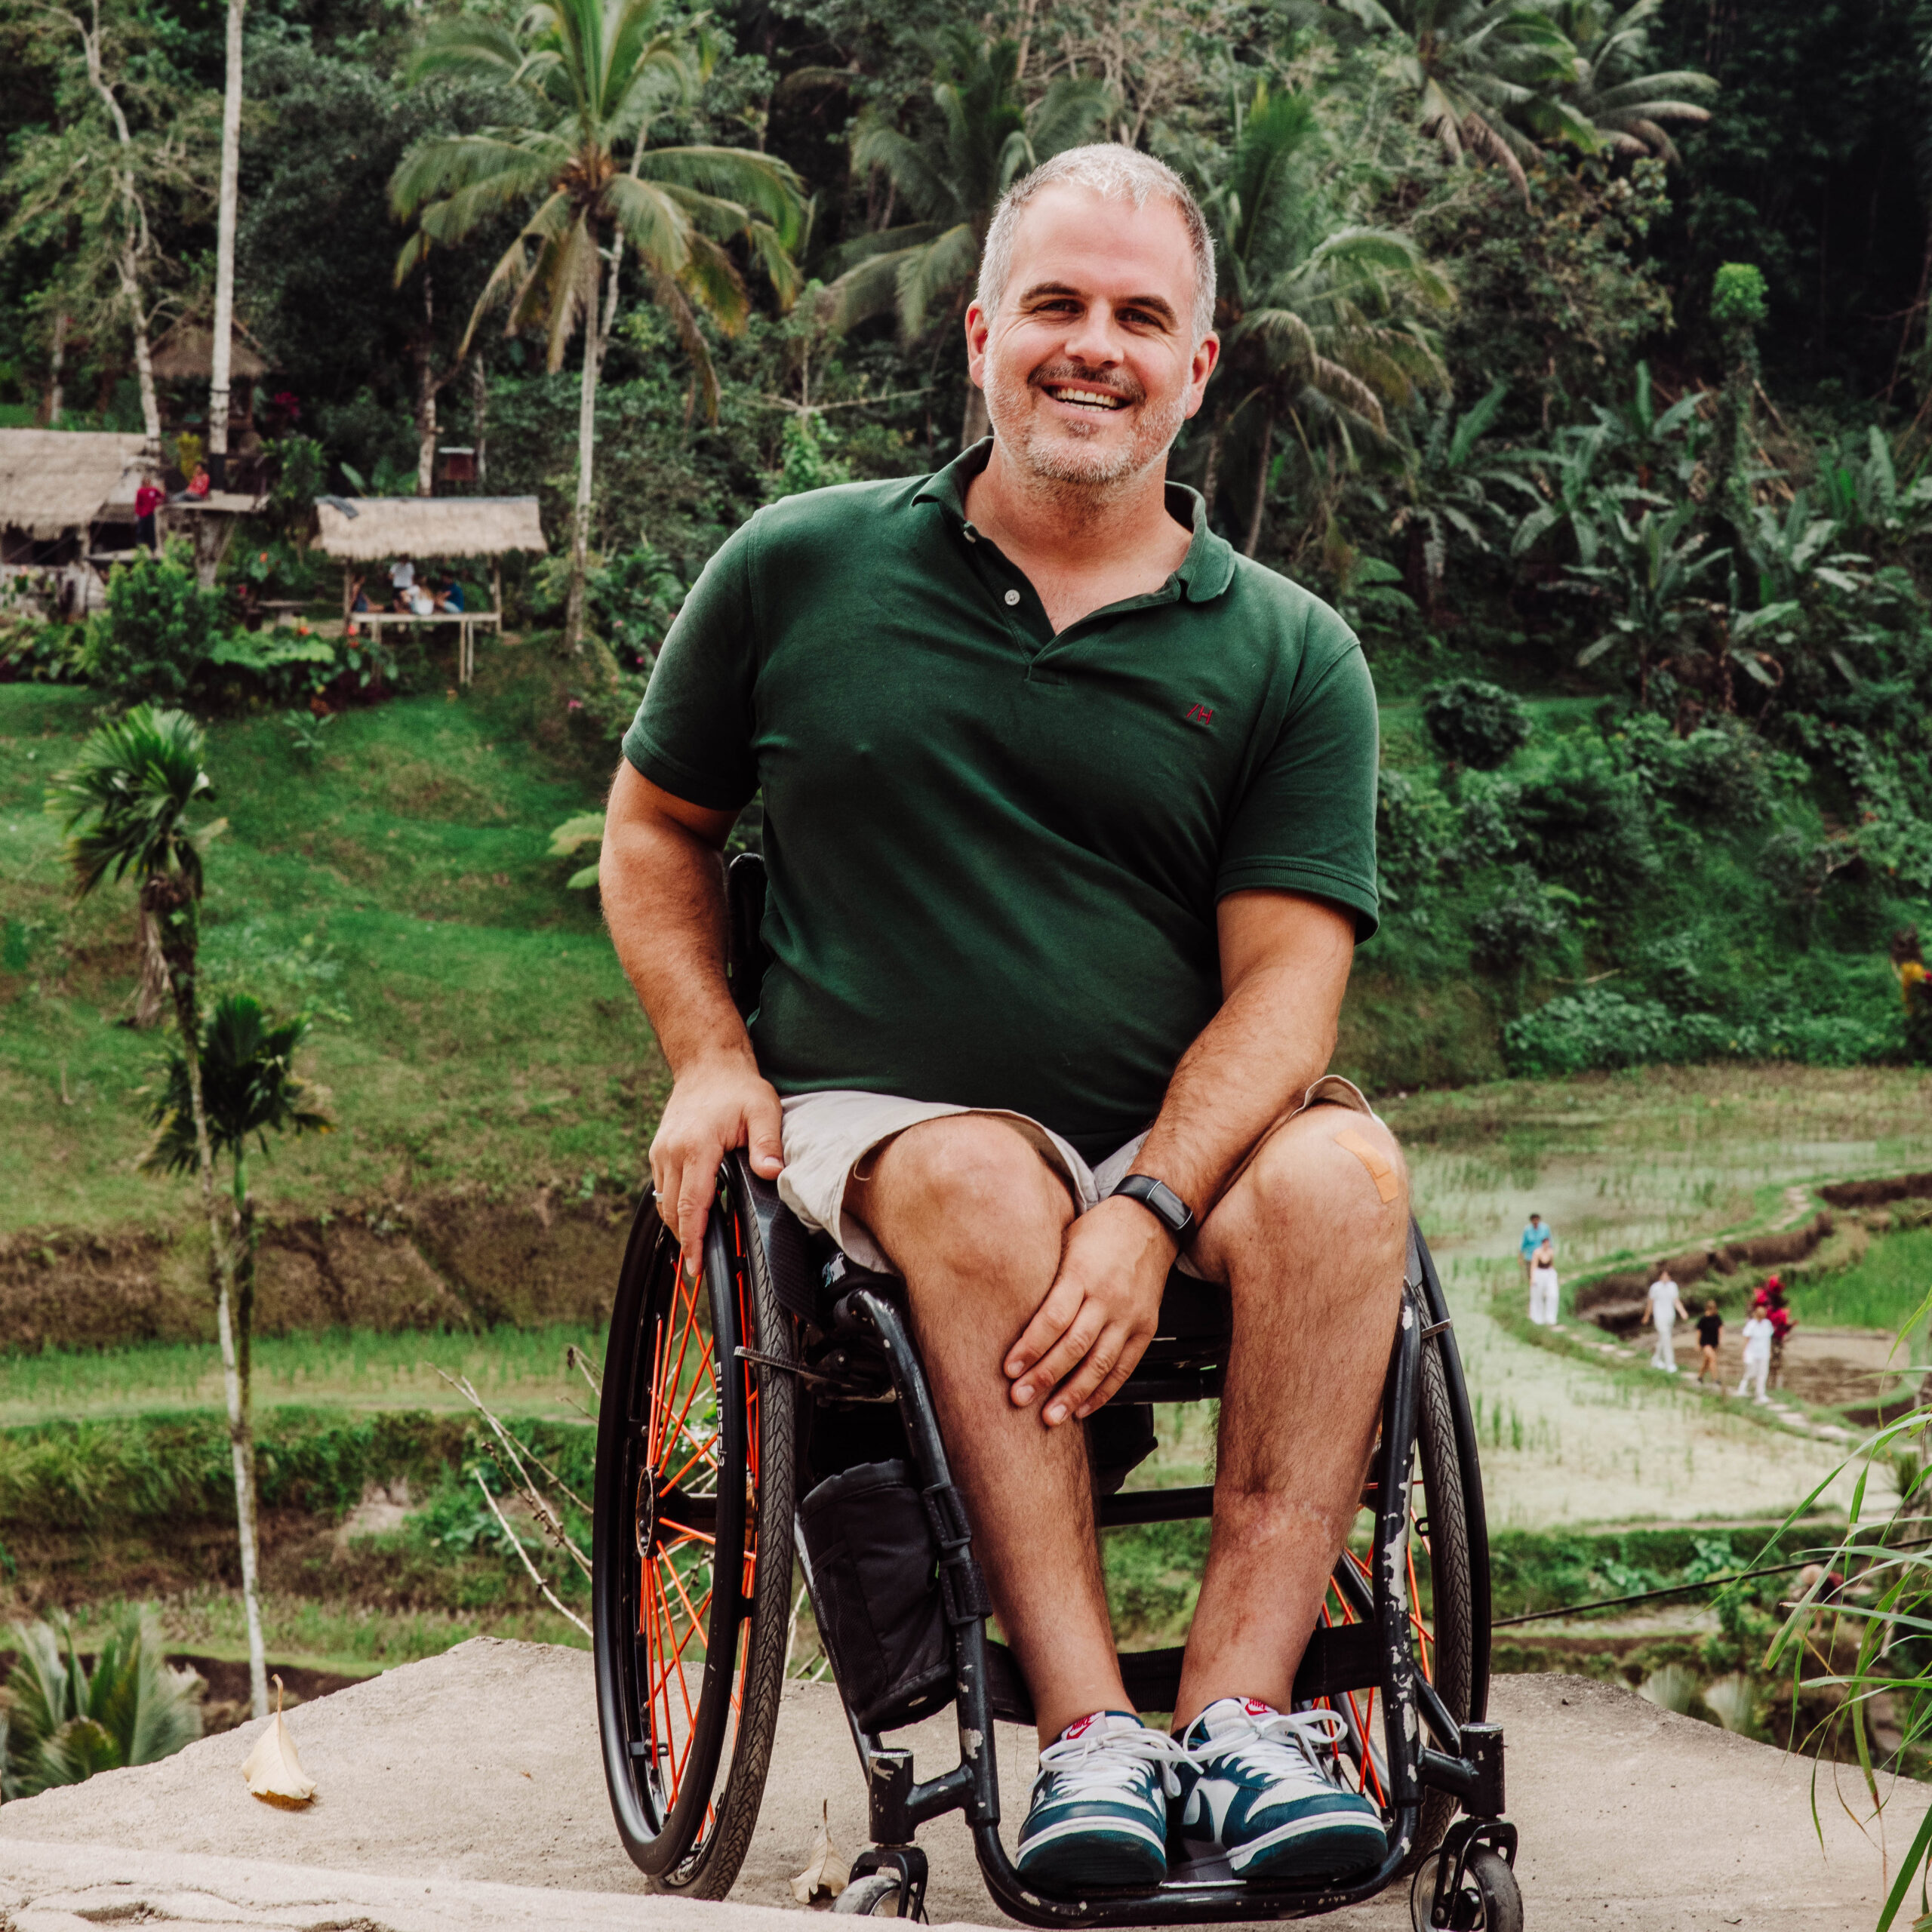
x: 1199, y: 714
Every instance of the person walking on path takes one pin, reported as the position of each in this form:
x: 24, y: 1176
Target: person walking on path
x: 1666, y: 1311
x: 1757, y: 1351
x: 1710, y: 1332
x: 1538, y: 1233
x: 1771, y: 1299
x: 1543, y: 1286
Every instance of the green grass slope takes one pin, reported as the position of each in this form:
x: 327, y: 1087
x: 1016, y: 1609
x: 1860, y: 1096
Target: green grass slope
x: 473, y: 1025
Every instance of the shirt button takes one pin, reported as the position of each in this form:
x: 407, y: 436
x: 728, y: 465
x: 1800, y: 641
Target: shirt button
x: 972, y: 535
x: 1012, y: 598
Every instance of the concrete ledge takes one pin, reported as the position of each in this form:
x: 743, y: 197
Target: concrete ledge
x: 468, y: 1791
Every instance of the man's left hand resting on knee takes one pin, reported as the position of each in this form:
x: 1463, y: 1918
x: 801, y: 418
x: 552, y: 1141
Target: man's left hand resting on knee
x: 1070, y: 825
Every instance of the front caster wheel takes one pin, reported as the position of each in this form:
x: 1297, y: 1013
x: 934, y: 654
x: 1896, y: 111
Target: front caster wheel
x: 875, y: 1896
x: 1489, y: 1900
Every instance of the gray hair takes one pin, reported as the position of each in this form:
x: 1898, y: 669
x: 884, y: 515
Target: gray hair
x: 1115, y: 173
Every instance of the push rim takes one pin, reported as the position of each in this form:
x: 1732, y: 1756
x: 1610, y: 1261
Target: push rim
x: 691, y: 1417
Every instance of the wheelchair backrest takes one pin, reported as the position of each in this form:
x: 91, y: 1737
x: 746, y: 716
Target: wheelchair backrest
x: 746, y: 958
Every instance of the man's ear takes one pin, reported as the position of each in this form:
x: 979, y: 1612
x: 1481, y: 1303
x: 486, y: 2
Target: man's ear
x: 979, y: 327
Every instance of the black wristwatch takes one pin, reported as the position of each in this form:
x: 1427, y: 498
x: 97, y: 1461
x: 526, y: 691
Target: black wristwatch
x: 1163, y: 1203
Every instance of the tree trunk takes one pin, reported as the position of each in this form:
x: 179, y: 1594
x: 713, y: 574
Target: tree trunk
x: 586, y: 452
x: 224, y: 254
x: 1210, y: 477
x: 171, y: 903
x: 1260, y: 506
x: 976, y: 424
x: 134, y: 240
x: 426, y: 387
x: 242, y: 1416
x: 150, y: 995
x: 479, y: 394
x: 56, y: 397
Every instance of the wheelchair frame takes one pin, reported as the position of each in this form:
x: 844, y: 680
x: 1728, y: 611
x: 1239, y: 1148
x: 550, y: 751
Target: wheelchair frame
x: 864, y: 1353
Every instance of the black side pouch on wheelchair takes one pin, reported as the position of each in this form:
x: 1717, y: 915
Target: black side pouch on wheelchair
x: 872, y: 1562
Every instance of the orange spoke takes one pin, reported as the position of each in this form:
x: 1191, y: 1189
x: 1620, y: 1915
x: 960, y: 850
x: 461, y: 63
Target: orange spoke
x: 684, y: 1529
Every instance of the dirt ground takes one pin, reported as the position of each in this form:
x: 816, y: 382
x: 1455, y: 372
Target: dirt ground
x: 481, y: 1766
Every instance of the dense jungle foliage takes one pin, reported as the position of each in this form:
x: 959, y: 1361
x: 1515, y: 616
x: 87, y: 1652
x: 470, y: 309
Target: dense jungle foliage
x: 1577, y: 351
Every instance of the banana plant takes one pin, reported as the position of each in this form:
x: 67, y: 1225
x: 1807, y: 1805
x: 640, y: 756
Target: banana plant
x: 1653, y: 568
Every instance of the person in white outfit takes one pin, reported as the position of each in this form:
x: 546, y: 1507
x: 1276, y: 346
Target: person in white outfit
x: 1757, y: 1351
x: 1666, y: 1311
x: 1543, y: 1287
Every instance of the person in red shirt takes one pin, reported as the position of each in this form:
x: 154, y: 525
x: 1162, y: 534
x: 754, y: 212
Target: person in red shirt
x: 148, y: 499
x: 198, y: 483
x: 1771, y: 1298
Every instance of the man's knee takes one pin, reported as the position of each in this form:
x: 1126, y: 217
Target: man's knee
x: 1327, y: 1172
x: 967, y: 1186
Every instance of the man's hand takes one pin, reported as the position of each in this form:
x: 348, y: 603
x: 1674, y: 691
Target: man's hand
x: 715, y: 1106
x: 1098, y: 1317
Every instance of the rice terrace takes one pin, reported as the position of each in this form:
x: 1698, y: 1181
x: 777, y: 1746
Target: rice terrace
x: 1255, y: 961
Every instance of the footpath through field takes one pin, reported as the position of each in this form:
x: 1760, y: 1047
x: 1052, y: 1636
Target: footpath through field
x: 1623, y: 1166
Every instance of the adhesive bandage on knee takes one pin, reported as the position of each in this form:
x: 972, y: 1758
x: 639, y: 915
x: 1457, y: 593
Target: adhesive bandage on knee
x: 1381, y: 1169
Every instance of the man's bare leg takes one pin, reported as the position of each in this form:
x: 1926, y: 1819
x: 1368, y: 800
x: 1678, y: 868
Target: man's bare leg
x: 973, y: 1217
x: 1311, y: 1253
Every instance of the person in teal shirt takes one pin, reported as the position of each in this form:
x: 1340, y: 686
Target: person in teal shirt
x: 1534, y: 1235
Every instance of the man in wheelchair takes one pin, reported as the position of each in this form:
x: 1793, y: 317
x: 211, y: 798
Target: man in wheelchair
x: 1069, y: 824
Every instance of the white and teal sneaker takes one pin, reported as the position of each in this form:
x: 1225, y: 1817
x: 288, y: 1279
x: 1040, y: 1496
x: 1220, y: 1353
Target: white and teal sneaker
x: 1099, y: 1814
x: 1263, y: 1790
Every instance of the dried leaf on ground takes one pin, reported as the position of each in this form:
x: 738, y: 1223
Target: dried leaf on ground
x: 826, y: 1870
x: 273, y: 1770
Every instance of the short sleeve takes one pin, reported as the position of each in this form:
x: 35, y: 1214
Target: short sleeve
x: 692, y: 735
x: 1306, y: 823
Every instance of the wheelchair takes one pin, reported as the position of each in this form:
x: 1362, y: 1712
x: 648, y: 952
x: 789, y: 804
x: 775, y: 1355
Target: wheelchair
x: 772, y: 1410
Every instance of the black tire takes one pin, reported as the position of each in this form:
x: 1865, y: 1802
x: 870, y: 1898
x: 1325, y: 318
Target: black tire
x: 1441, y: 1526
x: 1446, y: 1639
x: 875, y: 1896
x: 694, y: 1459
x: 1489, y: 1898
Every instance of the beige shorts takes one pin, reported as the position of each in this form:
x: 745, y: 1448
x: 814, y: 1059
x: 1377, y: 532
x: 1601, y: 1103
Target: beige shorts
x: 828, y: 1135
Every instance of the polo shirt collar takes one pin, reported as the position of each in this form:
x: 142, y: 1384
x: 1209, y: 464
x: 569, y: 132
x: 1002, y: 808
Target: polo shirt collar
x: 1207, y: 570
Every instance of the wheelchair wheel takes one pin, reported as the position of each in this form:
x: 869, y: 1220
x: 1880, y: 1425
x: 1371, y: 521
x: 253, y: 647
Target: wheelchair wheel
x: 1489, y: 1898
x: 1444, y: 1634
x: 693, y: 1546
x: 875, y: 1896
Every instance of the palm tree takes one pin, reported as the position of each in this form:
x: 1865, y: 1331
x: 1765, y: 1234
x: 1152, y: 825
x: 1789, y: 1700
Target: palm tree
x: 1477, y: 67
x: 1321, y: 323
x: 1629, y: 109
x: 951, y: 176
x: 125, y: 806
x: 249, y: 1089
x: 587, y: 76
x: 63, y: 1722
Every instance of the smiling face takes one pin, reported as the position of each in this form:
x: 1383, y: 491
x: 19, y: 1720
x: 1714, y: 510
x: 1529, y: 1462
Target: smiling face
x: 1089, y: 363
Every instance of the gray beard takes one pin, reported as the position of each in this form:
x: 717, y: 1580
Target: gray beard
x: 1071, y: 471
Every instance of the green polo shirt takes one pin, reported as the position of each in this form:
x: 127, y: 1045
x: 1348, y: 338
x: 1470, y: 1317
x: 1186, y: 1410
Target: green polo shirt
x: 994, y: 853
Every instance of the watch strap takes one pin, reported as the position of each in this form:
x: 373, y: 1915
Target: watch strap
x: 1163, y: 1203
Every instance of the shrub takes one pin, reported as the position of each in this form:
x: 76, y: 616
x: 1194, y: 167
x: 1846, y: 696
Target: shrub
x: 1525, y: 922
x: 64, y: 1722
x: 156, y: 632
x: 1585, y: 823
x: 1475, y: 724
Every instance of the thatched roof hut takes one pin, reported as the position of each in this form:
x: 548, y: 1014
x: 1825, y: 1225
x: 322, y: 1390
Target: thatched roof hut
x: 54, y: 482
x: 386, y: 527
x: 186, y: 354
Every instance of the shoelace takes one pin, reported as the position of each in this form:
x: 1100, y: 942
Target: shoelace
x: 1100, y: 1763
x: 1285, y: 1744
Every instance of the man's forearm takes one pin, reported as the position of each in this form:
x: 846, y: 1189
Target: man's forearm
x: 1271, y: 1039
x: 663, y: 893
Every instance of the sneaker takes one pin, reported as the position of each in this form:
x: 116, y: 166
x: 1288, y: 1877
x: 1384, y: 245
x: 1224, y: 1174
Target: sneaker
x: 1099, y: 1813
x: 1263, y: 1790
